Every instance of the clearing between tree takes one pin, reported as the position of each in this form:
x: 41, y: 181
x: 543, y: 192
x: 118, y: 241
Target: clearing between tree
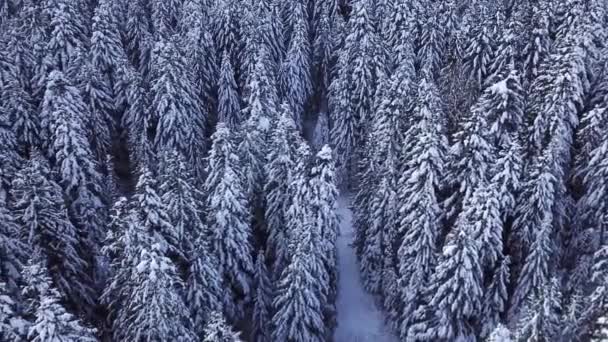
x: 359, y: 319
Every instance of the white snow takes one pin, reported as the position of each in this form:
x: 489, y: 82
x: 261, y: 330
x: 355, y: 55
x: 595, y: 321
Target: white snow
x: 359, y: 319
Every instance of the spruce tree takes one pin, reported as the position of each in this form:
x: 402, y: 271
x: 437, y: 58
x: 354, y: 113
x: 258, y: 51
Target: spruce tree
x: 299, y: 303
x: 52, y: 321
x: 296, y: 83
x: 262, y: 301
x: 358, y: 67
x: 228, y: 219
x: 217, y: 330
x: 39, y: 208
x: 181, y: 121
x: 229, y: 108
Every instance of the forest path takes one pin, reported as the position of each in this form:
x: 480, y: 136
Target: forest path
x: 359, y: 319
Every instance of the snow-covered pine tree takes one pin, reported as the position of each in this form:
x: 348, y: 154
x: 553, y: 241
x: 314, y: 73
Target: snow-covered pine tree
x: 478, y: 54
x: 175, y: 105
x: 507, y: 177
x: 78, y: 171
x: 227, y: 33
x: 537, y: 266
x: 229, y: 107
x: 262, y: 301
x: 261, y: 111
x: 279, y: 170
x: 13, y: 250
x: 228, y: 218
x: 323, y: 207
x: 537, y: 46
x: 431, y: 45
x: 165, y: 17
x: 182, y: 201
x: 18, y: 105
x: 155, y: 309
x: 12, y: 325
x: 138, y: 36
x: 217, y: 330
x: 107, y: 51
x: 100, y: 101
x: 456, y: 291
x: 352, y: 91
x: 472, y: 156
x: 10, y: 160
x: 481, y: 218
x: 200, y: 52
x: 150, y: 214
x: 296, y: 83
x: 68, y: 36
x: 299, y: 300
x: 495, y: 298
x: 39, y: 208
x: 52, y: 321
x: 203, y: 285
x: 541, y: 319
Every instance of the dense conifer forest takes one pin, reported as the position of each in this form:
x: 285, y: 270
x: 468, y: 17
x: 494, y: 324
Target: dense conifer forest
x: 176, y: 170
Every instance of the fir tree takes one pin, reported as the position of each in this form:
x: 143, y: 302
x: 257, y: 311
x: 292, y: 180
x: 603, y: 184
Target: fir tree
x: 52, y: 321
x: 203, y: 285
x: 228, y: 219
x: 296, y: 84
x: 155, y: 310
x: 541, y: 319
x: 165, y: 16
x: 358, y: 67
x: 181, y: 122
x: 217, y: 330
x: 40, y: 210
x: 12, y: 325
x: 262, y: 301
x: 229, y: 108
x: 456, y: 290
x: 298, y: 303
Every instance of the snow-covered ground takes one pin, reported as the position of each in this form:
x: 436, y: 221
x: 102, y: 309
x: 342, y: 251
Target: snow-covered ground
x: 359, y: 320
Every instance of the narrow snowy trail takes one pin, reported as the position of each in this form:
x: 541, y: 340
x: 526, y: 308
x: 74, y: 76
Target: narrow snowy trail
x: 359, y: 320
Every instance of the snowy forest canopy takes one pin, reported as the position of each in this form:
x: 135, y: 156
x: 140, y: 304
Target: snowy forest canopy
x: 171, y: 170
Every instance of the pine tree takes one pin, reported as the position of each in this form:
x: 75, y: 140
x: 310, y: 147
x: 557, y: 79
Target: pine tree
x: 228, y: 218
x: 107, y: 52
x: 203, y: 285
x: 478, y: 54
x: 279, y: 170
x: 351, y: 111
x: 165, y: 16
x: 138, y: 36
x: 67, y: 37
x: 541, y: 319
x: 229, y: 108
x: 298, y: 304
x: 155, y: 310
x: 52, y: 321
x: 228, y: 35
x: 181, y: 199
x: 10, y: 160
x: 495, y: 298
x: 18, y: 105
x: 296, y: 84
x: 12, y: 325
x: 537, y: 267
x: 418, y: 191
x: 200, y: 53
x: 98, y: 98
x: 13, y: 249
x: 39, y: 208
x: 181, y: 122
x: 262, y: 301
x: 324, y: 214
x: 217, y: 330
x: 150, y: 214
x: 538, y: 44
x: 456, y: 289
